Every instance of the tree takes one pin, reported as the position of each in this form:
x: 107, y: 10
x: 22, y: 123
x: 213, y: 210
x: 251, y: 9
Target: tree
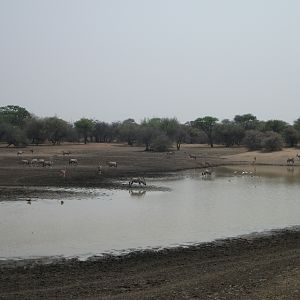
x: 14, y: 115
x: 12, y: 135
x: 56, y: 129
x: 207, y: 124
x: 291, y: 136
x: 247, y: 121
x: 35, y: 129
x: 272, y: 141
x: 229, y: 133
x: 275, y: 125
x: 253, y: 139
x: 128, y: 130
x: 84, y: 127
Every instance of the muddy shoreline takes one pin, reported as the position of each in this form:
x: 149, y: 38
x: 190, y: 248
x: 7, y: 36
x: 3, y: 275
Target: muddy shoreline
x: 264, y: 266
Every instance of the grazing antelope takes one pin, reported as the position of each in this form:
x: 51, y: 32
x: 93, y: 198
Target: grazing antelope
x: 112, y: 164
x: 25, y: 161
x: 34, y: 162
x: 192, y: 156
x: 40, y: 162
x: 298, y: 156
x: 139, y: 180
x: 20, y: 153
x: 66, y: 153
x: 290, y: 161
x: 73, y: 161
x: 206, y: 172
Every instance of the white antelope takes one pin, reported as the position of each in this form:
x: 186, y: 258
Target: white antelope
x: 73, y: 161
x: 66, y: 153
x: 290, y: 161
x: 25, y: 161
x: 34, y: 162
x: 112, y: 164
x: 139, y: 180
x: 20, y: 153
x: 298, y: 156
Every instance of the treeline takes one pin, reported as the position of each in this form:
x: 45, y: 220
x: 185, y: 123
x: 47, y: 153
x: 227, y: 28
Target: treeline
x: 19, y: 127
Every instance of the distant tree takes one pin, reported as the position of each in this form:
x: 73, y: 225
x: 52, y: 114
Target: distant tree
x: 84, y: 127
x: 272, y: 141
x: 297, y: 125
x: 14, y: 115
x: 229, y: 133
x: 161, y: 143
x: 291, y: 136
x: 275, y: 125
x: 35, y: 129
x: 253, y: 139
x: 128, y: 130
x: 56, y: 129
x: 12, y: 135
x: 147, y: 134
x: 207, y: 124
x: 247, y: 121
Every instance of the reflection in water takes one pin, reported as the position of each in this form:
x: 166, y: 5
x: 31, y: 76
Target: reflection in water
x: 234, y: 200
x: 290, y: 169
x: 137, y: 193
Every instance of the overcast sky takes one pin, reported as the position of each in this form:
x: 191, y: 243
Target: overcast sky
x: 115, y: 59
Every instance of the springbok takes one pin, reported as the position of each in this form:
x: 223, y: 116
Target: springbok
x: 192, y: 156
x: 73, y: 161
x: 66, y: 153
x: 20, y: 153
x: 112, y: 164
x: 139, y: 180
x: 290, y: 161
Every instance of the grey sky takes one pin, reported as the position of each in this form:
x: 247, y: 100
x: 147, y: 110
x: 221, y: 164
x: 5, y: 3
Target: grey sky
x: 115, y: 59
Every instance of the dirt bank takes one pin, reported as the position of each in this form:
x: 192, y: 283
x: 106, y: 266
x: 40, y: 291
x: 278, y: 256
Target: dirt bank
x: 131, y: 161
x: 265, y: 267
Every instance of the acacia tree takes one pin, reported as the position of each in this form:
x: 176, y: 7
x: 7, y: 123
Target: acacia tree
x: 128, y: 130
x: 84, y: 127
x: 207, y: 124
x: 247, y: 121
x: 14, y: 115
x: 56, y: 129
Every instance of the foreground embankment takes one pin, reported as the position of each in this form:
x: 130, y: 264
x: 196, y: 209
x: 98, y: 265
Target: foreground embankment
x: 253, y: 267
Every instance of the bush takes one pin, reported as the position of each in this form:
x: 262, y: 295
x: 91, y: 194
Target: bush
x: 253, y: 139
x: 272, y: 141
x: 161, y: 143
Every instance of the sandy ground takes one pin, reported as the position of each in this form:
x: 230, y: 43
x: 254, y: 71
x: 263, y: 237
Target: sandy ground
x: 266, y: 267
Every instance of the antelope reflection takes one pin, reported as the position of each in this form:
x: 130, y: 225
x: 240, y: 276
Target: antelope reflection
x: 137, y: 193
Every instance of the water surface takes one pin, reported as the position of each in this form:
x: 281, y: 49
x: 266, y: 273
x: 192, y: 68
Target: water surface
x: 89, y: 221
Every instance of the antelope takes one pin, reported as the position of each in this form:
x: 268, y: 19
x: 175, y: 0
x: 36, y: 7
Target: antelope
x: 34, y: 162
x: 41, y: 162
x: 298, y: 156
x: 206, y: 172
x: 170, y: 153
x: 25, y: 161
x: 66, y: 153
x: 73, y: 161
x: 290, y: 161
x: 20, y: 153
x: 112, y: 164
x: 139, y: 180
x: 192, y: 156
